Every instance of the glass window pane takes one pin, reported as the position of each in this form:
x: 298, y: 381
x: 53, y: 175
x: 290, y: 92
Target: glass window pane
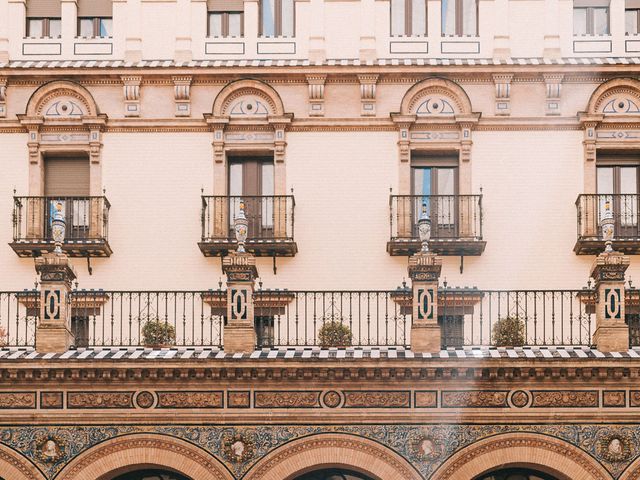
x: 215, y: 24
x: 235, y: 179
x: 35, y: 27
x: 268, y: 18
x: 601, y: 21
x: 235, y: 24
x: 422, y: 181
x: 579, y: 21
x: 85, y: 27
x: 55, y: 27
x: 288, y: 12
x: 267, y: 190
x: 446, y: 177
x: 419, y: 17
x: 469, y: 17
x: 631, y: 22
x: 446, y: 212
x: 628, y: 180
x: 397, y: 17
x: 605, y: 180
x: 449, y: 17
x: 106, y: 27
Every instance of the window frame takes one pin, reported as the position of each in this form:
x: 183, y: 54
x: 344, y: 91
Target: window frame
x: 95, y: 26
x: 637, y: 10
x: 277, y: 27
x: 225, y: 24
x: 408, y: 19
x: 459, y: 20
x: 590, y: 26
x: 46, y: 27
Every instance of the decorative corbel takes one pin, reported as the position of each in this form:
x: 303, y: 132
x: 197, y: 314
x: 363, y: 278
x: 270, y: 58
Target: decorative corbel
x: 466, y: 124
x: 404, y: 124
x: 503, y: 93
x: 316, y: 94
x: 368, y: 94
x: 3, y: 97
x: 280, y: 143
x: 182, y: 94
x: 553, y: 83
x: 589, y: 141
x: 218, y: 143
x: 95, y: 144
x: 34, y: 144
x: 131, y: 95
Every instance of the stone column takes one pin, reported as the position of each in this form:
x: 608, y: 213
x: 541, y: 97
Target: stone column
x: 239, y: 330
x: 424, y: 271
x: 612, y: 332
x: 53, y: 333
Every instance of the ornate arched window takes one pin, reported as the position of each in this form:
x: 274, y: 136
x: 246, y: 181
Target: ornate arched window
x: 151, y: 475
x: 333, y: 474
x: 434, y: 128
x: 516, y: 474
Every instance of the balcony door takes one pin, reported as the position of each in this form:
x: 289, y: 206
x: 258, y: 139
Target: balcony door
x: 66, y: 187
x: 251, y: 180
x: 617, y: 185
x: 434, y: 187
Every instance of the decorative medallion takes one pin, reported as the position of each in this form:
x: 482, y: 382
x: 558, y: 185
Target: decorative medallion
x: 615, y: 447
x: 145, y: 399
x: 50, y: 448
x: 520, y: 399
x: 237, y: 448
x: 425, y: 448
x: 332, y: 399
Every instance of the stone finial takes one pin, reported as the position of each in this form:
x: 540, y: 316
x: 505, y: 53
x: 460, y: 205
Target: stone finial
x: 131, y: 95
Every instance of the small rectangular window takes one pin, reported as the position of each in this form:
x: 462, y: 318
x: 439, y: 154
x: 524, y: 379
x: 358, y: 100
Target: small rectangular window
x: 590, y: 17
x: 408, y: 17
x: 632, y: 17
x: 44, y: 27
x: 277, y: 18
x: 226, y: 24
x: 459, y: 17
x: 95, y: 27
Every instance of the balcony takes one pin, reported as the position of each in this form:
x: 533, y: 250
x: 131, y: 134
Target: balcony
x: 87, y: 222
x: 591, y: 210
x: 456, y: 224
x: 270, y: 225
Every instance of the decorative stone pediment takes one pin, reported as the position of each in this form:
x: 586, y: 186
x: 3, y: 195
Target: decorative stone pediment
x: 61, y: 100
x: 620, y: 96
x: 435, y: 97
x: 248, y: 98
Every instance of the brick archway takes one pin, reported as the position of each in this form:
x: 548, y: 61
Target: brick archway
x: 632, y: 472
x: 115, y: 456
x: 332, y: 450
x: 14, y: 466
x: 540, y: 452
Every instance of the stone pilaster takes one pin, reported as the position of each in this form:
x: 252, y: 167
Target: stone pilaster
x: 53, y: 333
x: 612, y: 332
x: 239, y: 330
x: 424, y: 271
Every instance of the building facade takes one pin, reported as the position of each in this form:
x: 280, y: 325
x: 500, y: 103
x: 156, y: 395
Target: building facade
x: 440, y: 204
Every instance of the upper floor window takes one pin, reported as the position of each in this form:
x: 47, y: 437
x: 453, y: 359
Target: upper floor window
x: 408, y: 17
x: 632, y: 17
x: 43, y: 19
x: 460, y: 17
x: 277, y: 18
x: 93, y: 27
x: 225, y: 18
x: 591, y: 17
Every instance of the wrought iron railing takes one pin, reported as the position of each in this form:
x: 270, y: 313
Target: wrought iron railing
x: 270, y: 217
x: 624, y: 209
x: 18, y: 318
x: 87, y: 218
x: 452, y: 216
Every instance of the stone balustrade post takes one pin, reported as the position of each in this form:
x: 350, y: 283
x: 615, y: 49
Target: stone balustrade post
x: 53, y: 332
x: 424, y: 271
x: 239, y: 330
x: 612, y: 332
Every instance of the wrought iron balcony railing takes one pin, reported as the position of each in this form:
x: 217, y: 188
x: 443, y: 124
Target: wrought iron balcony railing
x: 87, y: 225
x: 593, y: 208
x: 456, y: 224
x: 270, y: 230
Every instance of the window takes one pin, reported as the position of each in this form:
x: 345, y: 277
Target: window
x: 516, y: 474
x: 617, y: 180
x: 333, y: 474
x: 590, y: 17
x: 44, y: 27
x: 460, y: 17
x: 225, y: 18
x: 408, y: 17
x: 277, y: 18
x: 251, y: 182
x: 632, y: 17
x: 95, y: 27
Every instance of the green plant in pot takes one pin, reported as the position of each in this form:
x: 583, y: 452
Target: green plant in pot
x: 158, y: 333
x: 334, y: 334
x: 509, y: 332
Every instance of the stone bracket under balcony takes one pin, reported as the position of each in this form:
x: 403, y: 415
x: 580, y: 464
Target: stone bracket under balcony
x: 268, y: 248
x: 87, y: 222
x: 447, y: 247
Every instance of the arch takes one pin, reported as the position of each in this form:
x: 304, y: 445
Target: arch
x: 435, y: 96
x: 531, y: 450
x: 619, y: 96
x: 247, y: 98
x: 632, y: 472
x: 50, y: 99
x: 15, y: 466
x: 332, y: 450
x: 144, y: 450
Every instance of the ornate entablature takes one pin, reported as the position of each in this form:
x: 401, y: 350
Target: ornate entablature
x: 62, y: 116
x: 248, y: 116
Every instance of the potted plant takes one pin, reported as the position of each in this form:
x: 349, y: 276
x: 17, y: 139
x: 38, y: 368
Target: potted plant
x: 334, y: 334
x: 157, y: 333
x: 509, y: 332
